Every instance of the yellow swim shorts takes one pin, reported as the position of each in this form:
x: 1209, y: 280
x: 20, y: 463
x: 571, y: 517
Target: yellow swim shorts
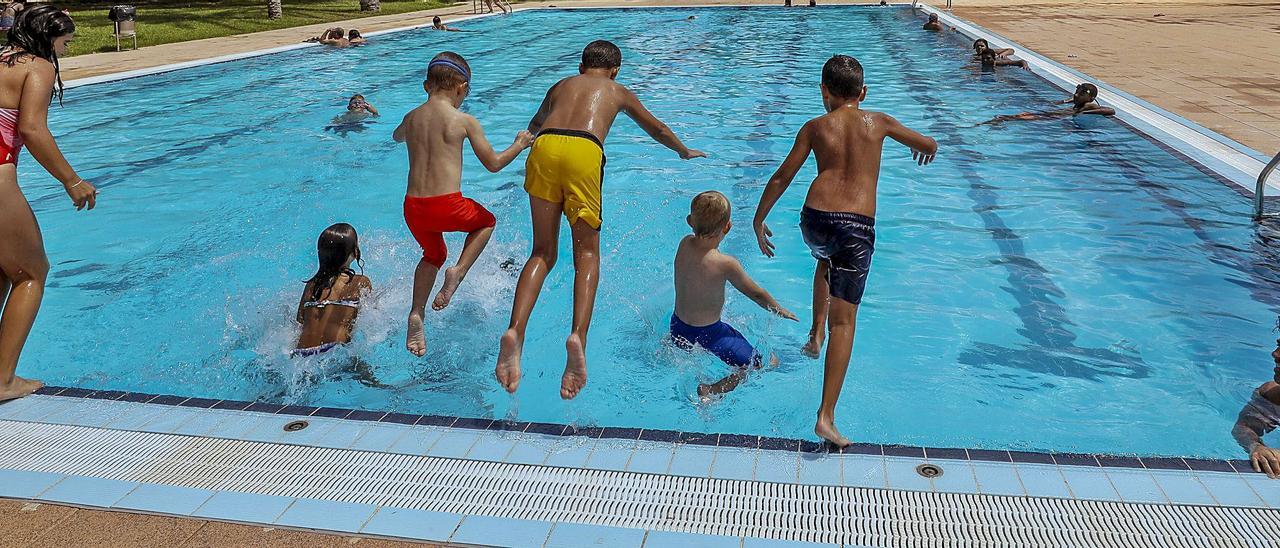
x: 567, y: 167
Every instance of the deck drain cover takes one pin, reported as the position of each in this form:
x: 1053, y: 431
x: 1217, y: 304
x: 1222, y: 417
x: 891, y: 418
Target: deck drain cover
x: 929, y: 470
x: 295, y: 426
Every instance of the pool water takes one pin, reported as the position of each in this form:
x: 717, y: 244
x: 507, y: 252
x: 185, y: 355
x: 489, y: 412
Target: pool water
x: 1057, y: 285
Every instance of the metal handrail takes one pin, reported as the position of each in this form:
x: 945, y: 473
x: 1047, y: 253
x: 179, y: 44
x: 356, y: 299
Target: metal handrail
x: 1262, y: 182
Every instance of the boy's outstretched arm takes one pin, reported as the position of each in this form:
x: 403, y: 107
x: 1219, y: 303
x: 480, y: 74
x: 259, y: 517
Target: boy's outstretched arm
x: 744, y: 284
x: 655, y: 128
x: 778, y: 184
x: 494, y: 161
x: 922, y: 148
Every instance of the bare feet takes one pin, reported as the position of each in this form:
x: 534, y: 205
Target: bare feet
x: 813, y: 348
x: 826, y: 429
x: 417, y: 341
x: 452, y: 278
x: 508, y: 371
x: 18, y: 388
x: 575, y: 368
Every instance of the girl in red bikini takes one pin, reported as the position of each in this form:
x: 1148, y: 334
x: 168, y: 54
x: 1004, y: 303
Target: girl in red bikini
x: 28, y: 76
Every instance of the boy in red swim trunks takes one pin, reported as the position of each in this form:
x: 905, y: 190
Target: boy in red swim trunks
x: 434, y: 203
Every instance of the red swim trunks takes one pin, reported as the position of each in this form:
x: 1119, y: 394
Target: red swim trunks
x: 430, y: 217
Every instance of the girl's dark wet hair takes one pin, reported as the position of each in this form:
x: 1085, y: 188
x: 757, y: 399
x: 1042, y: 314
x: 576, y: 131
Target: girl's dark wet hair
x: 34, y: 30
x: 336, y: 244
x: 981, y: 41
x: 353, y: 34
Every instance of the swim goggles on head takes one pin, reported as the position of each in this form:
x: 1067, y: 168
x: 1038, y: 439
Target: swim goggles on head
x: 450, y: 64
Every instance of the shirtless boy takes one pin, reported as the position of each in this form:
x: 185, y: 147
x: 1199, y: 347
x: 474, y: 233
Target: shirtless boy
x: 563, y: 176
x: 838, y: 218
x: 701, y: 271
x: 433, y: 203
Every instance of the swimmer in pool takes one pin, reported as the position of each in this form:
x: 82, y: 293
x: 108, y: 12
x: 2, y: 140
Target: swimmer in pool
x: 564, y: 175
x: 838, y: 219
x: 437, y: 24
x: 331, y: 299
x: 933, y: 23
x: 355, y: 38
x: 989, y: 59
x: 702, y: 270
x: 980, y: 45
x: 433, y: 203
x: 1082, y: 103
x: 1260, y: 416
x: 358, y: 110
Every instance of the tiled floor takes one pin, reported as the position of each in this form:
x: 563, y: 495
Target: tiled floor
x: 27, y: 524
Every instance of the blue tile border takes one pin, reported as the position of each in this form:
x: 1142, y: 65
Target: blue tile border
x: 737, y: 441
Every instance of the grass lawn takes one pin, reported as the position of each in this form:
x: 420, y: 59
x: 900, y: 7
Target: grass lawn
x: 163, y: 22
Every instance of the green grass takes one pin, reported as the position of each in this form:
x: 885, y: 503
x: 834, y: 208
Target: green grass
x: 163, y: 22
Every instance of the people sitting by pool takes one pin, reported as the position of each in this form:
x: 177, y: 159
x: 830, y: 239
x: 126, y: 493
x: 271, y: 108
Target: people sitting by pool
x: 990, y: 59
x: 1258, y: 417
x: 437, y: 24
x: 331, y: 299
x: 933, y: 23
x: 502, y: 5
x: 355, y: 38
x: 980, y: 45
x: 1082, y: 102
x: 838, y: 218
x: 563, y: 176
x: 701, y: 272
x: 433, y: 202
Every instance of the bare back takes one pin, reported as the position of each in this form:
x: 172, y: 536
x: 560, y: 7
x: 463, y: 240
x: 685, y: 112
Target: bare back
x: 13, y: 77
x: 585, y: 102
x: 434, y: 133
x: 331, y: 323
x: 847, y: 143
x: 700, y: 276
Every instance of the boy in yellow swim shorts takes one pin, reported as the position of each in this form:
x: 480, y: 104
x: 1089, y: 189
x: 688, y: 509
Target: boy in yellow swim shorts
x: 563, y: 176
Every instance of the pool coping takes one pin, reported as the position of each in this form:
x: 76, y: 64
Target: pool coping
x: 728, y: 440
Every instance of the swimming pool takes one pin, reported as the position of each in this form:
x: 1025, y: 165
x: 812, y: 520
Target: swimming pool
x: 1062, y: 285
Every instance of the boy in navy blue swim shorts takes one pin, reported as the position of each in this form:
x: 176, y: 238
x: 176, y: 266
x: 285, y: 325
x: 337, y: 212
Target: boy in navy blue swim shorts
x: 838, y: 219
x: 701, y: 273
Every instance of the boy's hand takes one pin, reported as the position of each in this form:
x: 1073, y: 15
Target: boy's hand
x: 690, y: 154
x: 524, y: 139
x: 762, y: 237
x: 777, y: 309
x: 82, y: 194
x: 1266, y: 460
x: 922, y: 158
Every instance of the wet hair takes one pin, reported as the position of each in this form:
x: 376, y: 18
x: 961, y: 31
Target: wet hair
x: 601, y: 54
x: 933, y: 17
x: 443, y: 76
x: 435, y: 20
x: 983, y: 42
x: 336, y: 244
x: 1091, y: 89
x: 842, y: 76
x: 353, y: 34
x: 708, y: 214
x: 33, y: 31
x: 988, y: 56
x: 355, y: 100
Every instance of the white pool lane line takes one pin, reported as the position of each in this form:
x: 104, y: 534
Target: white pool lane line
x: 1233, y: 161
x: 519, y: 489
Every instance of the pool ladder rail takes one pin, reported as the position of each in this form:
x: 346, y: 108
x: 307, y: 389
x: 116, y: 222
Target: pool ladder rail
x: 1262, y: 184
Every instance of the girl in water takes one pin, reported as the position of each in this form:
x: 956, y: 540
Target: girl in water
x: 28, y: 79
x: 331, y: 299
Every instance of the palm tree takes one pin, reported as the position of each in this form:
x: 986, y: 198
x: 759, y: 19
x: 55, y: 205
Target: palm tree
x: 370, y: 5
x: 274, y: 9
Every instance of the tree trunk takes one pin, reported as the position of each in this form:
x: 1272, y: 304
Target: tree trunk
x: 370, y: 5
x: 274, y: 9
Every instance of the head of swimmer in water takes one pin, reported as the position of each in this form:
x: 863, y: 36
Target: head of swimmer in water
x: 435, y: 22
x: 933, y: 18
x: 980, y: 45
x: 1085, y: 94
x: 988, y: 57
x: 357, y: 102
x: 709, y: 216
x: 601, y: 55
x: 842, y: 82
x: 337, y: 248
x: 44, y: 32
x: 449, y: 76
x: 353, y: 34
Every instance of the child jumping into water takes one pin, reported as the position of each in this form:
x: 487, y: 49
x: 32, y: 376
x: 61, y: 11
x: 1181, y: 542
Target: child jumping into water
x: 433, y: 203
x: 838, y: 218
x: 701, y: 272
x: 1082, y: 102
x: 331, y: 299
x: 563, y: 176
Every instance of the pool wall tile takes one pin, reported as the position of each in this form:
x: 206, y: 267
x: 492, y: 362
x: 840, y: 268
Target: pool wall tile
x: 88, y: 491
x: 862, y: 449
x: 699, y: 438
x: 864, y: 471
x: 400, y: 418
x: 572, y: 452
x: 670, y: 539
x: 1136, y: 486
x: 1266, y: 488
x: 491, y: 447
x: 455, y: 443
x: 611, y: 454
x: 416, y: 441
x: 368, y: 416
x: 1230, y: 489
x: 545, y: 428
x: 574, y: 535
x: 164, y: 499
x: 957, y: 477
x: 1182, y: 488
x: 1207, y: 465
x: 734, y: 463
x: 997, y: 479
x: 531, y: 449
x: 1091, y: 484
x: 1043, y: 480
x: 378, y: 437
x: 243, y: 507
x: 945, y: 453
x: 821, y: 469
x: 662, y: 436
x: 903, y: 451
x: 494, y: 531
x: 651, y: 458
x: 412, y: 524
x: 1075, y: 459
x: 20, y: 484
x: 901, y: 474
x: 692, y: 460
x: 326, y: 515
x: 777, y: 466
x: 260, y: 407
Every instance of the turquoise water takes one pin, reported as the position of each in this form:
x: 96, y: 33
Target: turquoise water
x: 1060, y: 285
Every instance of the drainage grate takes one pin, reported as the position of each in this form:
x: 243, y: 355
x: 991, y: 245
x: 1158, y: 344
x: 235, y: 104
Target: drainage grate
x: 814, y: 513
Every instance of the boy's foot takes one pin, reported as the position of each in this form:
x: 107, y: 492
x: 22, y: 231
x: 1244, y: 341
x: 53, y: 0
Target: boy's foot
x: 826, y: 429
x: 508, y: 371
x: 18, y: 388
x: 452, y: 278
x: 575, y: 368
x: 813, y: 348
x: 417, y: 340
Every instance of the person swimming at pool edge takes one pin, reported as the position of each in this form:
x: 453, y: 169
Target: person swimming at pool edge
x: 433, y: 202
x: 701, y: 272
x: 1260, y: 415
x: 980, y: 45
x: 838, y: 218
x: 355, y: 38
x: 990, y: 59
x: 331, y: 299
x: 1082, y: 102
x: 563, y: 176
x: 437, y: 24
x: 933, y: 23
